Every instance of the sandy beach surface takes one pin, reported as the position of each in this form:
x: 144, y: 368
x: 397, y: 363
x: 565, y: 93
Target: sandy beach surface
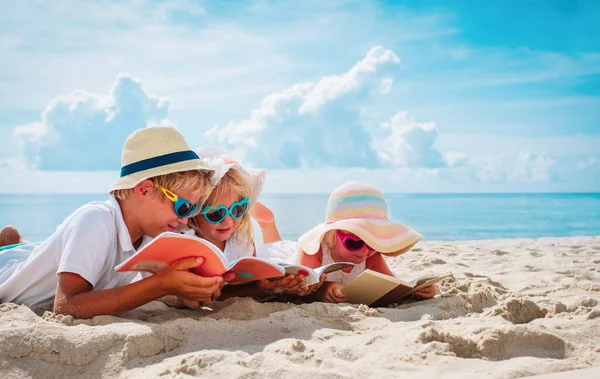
x: 516, y: 308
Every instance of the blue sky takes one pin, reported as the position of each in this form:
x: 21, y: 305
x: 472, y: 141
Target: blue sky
x: 413, y: 96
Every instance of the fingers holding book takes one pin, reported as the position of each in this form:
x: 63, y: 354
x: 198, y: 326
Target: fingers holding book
x: 304, y: 291
x: 333, y: 292
x: 425, y: 293
x: 289, y: 284
x: 178, y: 280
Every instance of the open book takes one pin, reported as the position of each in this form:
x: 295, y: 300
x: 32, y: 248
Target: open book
x: 168, y: 247
x: 312, y: 275
x: 378, y: 290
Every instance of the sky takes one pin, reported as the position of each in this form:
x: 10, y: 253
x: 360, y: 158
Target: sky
x: 427, y: 96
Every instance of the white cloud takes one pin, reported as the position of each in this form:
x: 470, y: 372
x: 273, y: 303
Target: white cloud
x: 320, y: 124
x: 533, y: 167
x: 409, y: 143
x: 524, y: 167
x: 455, y: 159
x: 86, y: 131
x: 589, y: 162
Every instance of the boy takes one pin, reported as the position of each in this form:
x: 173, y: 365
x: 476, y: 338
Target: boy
x: 161, y: 181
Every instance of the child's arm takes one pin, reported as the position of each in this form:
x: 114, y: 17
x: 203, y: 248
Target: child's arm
x: 312, y: 261
x: 376, y: 262
x: 75, y: 296
x: 266, y: 220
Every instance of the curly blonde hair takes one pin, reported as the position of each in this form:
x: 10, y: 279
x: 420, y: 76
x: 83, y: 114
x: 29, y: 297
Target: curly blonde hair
x: 176, y: 181
x: 328, y: 239
x: 234, y: 181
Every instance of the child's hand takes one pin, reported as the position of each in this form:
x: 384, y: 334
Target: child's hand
x: 177, y: 280
x: 289, y: 285
x: 179, y: 302
x: 333, y: 292
x: 262, y: 214
x: 228, y: 276
x: 425, y: 293
x: 313, y: 288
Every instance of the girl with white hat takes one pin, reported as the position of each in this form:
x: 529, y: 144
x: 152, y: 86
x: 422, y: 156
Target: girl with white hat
x: 224, y: 220
x: 357, y: 230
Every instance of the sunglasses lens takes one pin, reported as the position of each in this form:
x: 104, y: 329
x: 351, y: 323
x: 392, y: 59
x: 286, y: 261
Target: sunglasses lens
x: 352, y: 244
x: 239, y: 210
x: 185, y: 210
x: 216, y: 216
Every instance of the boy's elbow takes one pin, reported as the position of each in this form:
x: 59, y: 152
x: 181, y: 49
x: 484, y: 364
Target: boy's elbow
x: 62, y: 310
x: 63, y: 307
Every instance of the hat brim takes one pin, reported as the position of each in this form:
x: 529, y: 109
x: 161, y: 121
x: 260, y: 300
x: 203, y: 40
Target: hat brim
x: 384, y: 236
x: 215, y: 158
x: 130, y: 181
x: 256, y: 181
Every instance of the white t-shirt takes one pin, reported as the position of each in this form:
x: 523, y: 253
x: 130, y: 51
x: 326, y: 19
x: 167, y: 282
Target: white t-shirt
x: 90, y: 243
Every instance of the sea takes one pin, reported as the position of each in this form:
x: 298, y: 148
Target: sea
x: 439, y: 217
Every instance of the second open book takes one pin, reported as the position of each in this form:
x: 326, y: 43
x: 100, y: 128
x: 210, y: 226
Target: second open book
x: 378, y: 290
x: 167, y: 248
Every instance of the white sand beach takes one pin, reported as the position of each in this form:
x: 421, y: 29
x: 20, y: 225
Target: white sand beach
x: 516, y: 308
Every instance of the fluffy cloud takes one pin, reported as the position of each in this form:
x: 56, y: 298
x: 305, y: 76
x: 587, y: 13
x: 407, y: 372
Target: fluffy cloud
x: 410, y: 143
x: 589, y: 162
x: 85, y: 131
x: 525, y: 167
x: 319, y: 124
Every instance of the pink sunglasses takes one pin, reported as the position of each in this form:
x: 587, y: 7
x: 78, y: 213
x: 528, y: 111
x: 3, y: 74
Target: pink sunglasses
x: 351, y: 242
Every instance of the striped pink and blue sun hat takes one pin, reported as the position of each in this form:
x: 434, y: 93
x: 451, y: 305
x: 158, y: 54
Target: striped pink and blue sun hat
x: 361, y: 209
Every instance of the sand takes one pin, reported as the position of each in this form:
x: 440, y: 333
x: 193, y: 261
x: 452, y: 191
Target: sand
x: 516, y: 308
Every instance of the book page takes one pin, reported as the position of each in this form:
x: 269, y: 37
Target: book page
x: 427, y: 281
x: 251, y: 268
x: 393, y: 296
x: 402, y: 292
x: 335, y: 266
x: 167, y: 248
x: 310, y: 276
x: 369, y: 286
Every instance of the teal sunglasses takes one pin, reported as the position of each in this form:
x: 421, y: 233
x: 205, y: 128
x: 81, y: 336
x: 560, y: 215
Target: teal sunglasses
x: 183, y: 208
x: 220, y: 213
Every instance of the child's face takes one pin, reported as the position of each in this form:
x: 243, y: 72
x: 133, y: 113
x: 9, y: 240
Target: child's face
x: 161, y: 216
x: 223, y: 230
x: 342, y: 254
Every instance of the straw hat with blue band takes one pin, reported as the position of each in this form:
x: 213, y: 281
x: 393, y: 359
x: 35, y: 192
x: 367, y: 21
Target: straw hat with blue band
x: 155, y: 151
x: 361, y: 209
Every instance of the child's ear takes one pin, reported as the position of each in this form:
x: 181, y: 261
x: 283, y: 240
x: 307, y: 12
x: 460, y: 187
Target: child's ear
x: 144, y: 188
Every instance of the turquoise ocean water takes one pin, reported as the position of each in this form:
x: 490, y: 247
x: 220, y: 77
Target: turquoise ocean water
x: 437, y: 216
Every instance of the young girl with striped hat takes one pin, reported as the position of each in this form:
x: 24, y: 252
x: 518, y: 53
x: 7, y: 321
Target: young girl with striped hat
x: 357, y: 230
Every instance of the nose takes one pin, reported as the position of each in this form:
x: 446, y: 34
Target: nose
x: 183, y: 221
x: 366, y: 250
x: 227, y: 222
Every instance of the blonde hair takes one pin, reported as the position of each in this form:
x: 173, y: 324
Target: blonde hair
x: 234, y: 181
x: 328, y: 239
x: 176, y: 181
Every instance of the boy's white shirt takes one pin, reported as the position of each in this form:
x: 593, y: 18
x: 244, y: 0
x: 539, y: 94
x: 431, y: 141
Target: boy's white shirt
x: 90, y: 243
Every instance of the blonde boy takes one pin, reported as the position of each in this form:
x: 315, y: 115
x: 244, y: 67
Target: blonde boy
x: 161, y: 181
